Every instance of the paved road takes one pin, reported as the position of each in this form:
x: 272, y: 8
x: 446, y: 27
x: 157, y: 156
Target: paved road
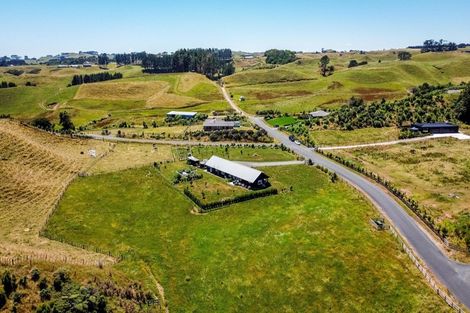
x: 455, y: 276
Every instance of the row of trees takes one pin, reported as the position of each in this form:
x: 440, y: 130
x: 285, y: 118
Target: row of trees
x: 7, y: 85
x: 239, y: 198
x: 275, y: 56
x: 6, y: 61
x: 93, y: 78
x: 213, y: 63
x: 441, y: 45
x: 258, y: 135
x: 463, y: 105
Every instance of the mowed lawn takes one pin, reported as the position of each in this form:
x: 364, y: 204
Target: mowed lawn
x: 308, y: 250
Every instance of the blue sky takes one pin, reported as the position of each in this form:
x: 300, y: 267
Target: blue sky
x: 39, y: 27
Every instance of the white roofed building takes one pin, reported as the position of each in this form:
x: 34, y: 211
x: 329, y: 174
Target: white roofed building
x: 238, y: 173
x: 319, y: 113
x: 181, y: 114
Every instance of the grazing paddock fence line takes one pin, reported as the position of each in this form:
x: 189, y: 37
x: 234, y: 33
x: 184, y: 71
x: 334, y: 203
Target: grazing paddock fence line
x: 444, y: 294
x: 427, y: 274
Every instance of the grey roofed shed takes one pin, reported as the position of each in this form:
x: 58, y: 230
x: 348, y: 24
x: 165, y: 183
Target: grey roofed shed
x: 213, y: 122
x: 234, y: 169
x: 319, y: 113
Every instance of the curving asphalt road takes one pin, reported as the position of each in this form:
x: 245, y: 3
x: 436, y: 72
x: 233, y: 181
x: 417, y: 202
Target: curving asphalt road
x: 455, y: 276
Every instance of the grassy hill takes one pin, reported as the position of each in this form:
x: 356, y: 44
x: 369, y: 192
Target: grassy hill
x: 134, y: 98
x: 298, y: 86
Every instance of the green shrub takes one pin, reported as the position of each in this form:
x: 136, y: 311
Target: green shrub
x: 35, y: 274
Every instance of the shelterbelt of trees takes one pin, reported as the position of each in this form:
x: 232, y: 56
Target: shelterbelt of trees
x: 425, y: 104
x: 94, y: 78
x: 214, y: 63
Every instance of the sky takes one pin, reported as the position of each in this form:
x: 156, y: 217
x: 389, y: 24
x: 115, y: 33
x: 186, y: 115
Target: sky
x: 39, y: 27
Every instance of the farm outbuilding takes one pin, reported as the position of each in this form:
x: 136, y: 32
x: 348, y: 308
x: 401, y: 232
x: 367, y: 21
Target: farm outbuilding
x: 181, y: 114
x: 319, y: 113
x: 238, y: 173
x: 435, y: 128
x: 217, y: 124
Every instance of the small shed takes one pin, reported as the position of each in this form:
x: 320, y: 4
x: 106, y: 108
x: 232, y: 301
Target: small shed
x: 193, y: 161
x: 319, y: 113
x: 435, y: 128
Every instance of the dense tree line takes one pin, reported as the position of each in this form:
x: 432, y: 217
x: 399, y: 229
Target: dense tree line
x: 441, y: 45
x: 7, y: 85
x: 103, y: 59
x: 6, y: 61
x: 463, y: 105
x: 70, y: 61
x: 93, y: 78
x: 275, y: 56
x: 426, y: 104
x: 214, y: 63
x: 130, y: 58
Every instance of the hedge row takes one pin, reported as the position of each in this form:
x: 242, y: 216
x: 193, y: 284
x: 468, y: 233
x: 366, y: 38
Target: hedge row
x: 412, y: 204
x: 218, y: 204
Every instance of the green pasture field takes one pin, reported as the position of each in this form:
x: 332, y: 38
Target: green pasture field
x: 308, y: 250
x: 298, y: 86
x: 130, y: 99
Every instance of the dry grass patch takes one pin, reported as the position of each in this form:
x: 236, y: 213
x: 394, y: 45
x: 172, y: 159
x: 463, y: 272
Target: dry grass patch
x: 121, y: 90
x: 35, y: 169
x: 127, y: 155
x: 188, y: 81
x: 163, y: 99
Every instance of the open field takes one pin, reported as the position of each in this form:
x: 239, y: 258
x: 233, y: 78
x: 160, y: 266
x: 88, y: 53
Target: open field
x: 234, y: 153
x: 298, y: 86
x: 434, y: 172
x: 241, y: 258
x: 333, y: 137
x: 35, y: 169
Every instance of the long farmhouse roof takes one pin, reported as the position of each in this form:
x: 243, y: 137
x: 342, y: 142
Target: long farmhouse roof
x: 233, y: 168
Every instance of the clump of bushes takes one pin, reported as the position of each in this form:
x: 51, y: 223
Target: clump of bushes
x: 7, y: 84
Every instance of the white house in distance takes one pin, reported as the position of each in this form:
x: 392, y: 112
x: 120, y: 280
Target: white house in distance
x: 319, y: 113
x: 181, y: 114
x: 217, y: 124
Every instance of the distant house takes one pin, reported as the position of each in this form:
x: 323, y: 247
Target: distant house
x: 319, y: 113
x: 240, y: 174
x: 181, y: 114
x: 248, y: 56
x: 87, y: 64
x: 212, y: 124
x: 435, y: 128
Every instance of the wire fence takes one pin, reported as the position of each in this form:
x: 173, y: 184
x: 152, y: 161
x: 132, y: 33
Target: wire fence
x: 427, y: 275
